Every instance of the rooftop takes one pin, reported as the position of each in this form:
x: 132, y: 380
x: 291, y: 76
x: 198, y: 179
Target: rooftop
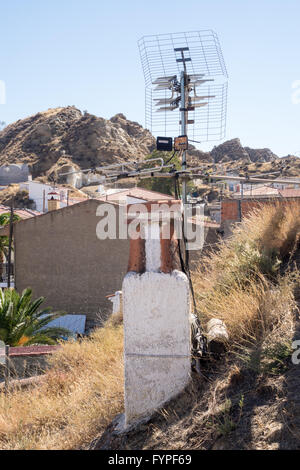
x: 22, y: 213
x: 138, y: 193
x: 258, y: 191
x: 289, y: 192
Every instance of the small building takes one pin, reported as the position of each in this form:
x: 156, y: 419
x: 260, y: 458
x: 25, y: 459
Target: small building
x: 13, y: 173
x: 233, y: 184
x: 38, y: 192
x: 256, y: 191
x: 290, y: 183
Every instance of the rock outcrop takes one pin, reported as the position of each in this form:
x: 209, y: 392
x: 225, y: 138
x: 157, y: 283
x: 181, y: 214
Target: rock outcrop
x: 233, y: 150
x: 64, y: 136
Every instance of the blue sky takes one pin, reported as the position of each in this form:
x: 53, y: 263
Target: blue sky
x: 84, y: 53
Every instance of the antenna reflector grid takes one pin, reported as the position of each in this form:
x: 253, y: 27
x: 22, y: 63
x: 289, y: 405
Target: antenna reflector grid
x: 162, y: 63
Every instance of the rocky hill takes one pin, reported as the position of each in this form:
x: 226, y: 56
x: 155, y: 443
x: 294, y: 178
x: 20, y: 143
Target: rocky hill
x: 232, y: 151
x: 66, y: 138
x: 232, y: 156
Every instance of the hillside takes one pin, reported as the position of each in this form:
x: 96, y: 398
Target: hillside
x: 65, y: 138
x: 246, y: 399
x: 232, y: 156
x: 232, y: 150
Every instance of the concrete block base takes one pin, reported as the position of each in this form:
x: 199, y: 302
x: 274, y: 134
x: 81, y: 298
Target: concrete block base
x: 157, y: 340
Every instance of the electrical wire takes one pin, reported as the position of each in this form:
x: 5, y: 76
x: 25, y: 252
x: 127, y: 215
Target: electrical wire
x: 172, y: 156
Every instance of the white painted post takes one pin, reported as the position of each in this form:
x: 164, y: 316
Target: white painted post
x: 156, y: 309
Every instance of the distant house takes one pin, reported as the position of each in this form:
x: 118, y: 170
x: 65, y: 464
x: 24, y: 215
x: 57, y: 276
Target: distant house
x: 38, y: 192
x: 257, y: 191
x: 13, y: 173
x: 287, y: 185
x: 60, y: 257
x: 233, y: 184
x: 261, y: 191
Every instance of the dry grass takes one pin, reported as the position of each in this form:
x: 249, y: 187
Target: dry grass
x: 241, y: 283
x: 250, y: 398
x: 82, y: 393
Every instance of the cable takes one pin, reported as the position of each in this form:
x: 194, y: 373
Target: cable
x: 170, y: 157
x: 176, y: 187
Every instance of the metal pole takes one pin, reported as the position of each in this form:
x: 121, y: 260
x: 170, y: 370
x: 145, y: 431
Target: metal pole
x: 7, y: 369
x: 241, y: 201
x: 44, y: 203
x: 183, y: 128
x: 11, y: 220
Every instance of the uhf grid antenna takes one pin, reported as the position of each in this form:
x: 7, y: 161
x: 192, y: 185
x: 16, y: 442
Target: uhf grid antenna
x: 186, y: 86
x: 163, y: 58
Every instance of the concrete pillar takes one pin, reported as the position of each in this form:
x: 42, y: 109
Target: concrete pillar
x: 156, y: 309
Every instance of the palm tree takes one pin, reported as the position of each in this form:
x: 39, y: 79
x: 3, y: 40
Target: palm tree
x: 23, y: 324
x: 5, y: 218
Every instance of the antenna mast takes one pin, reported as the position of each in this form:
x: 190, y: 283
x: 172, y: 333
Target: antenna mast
x: 184, y: 62
x: 183, y: 110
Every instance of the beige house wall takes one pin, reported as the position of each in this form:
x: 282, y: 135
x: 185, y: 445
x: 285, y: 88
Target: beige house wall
x: 59, y: 256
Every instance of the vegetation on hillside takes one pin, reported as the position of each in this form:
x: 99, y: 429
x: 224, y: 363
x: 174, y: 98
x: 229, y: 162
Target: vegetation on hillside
x: 246, y: 279
x: 163, y: 185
